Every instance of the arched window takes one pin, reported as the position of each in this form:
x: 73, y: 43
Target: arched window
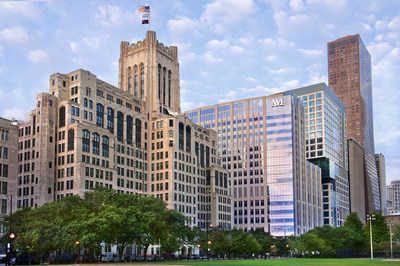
x: 129, y: 80
x: 181, y: 137
x: 169, y: 88
x: 100, y: 115
x: 136, y: 81
x: 159, y: 81
x: 110, y: 120
x: 61, y: 117
x: 96, y: 143
x: 142, y: 81
x: 164, y: 82
x: 71, y: 135
x: 85, y: 140
x: 188, y: 139
x: 104, y: 146
x: 129, y: 129
x: 120, y: 126
x: 138, y: 132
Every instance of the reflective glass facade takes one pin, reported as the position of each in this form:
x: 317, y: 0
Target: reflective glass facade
x: 349, y: 66
x: 261, y: 142
x: 326, y: 146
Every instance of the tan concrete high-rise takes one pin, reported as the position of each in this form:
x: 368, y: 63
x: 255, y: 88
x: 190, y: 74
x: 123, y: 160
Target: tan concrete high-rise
x: 86, y: 133
x: 349, y: 67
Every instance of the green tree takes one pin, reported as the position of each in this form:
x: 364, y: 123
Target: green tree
x: 353, y: 232
x: 264, y: 239
x: 380, y: 229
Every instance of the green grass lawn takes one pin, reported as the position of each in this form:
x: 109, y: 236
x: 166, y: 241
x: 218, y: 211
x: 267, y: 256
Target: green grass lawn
x: 325, y: 262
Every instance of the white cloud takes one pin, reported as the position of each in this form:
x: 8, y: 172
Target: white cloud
x: 182, y: 26
x: 395, y: 24
x: 311, y: 53
x: 92, y: 42
x: 282, y: 71
x: 290, y: 85
x: 216, y: 45
x: 290, y: 25
x: 74, y: 47
x: 21, y: 8
x: 278, y: 43
x: 14, y: 113
x: 381, y: 25
x: 1, y: 51
x: 220, y: 13
x: 37, y: 56
x: 209, y: 58
x: 110, y: 15
x: 296, y: 5
x: 251, y: 79
x: 15, y: 34
x: 236, y: 49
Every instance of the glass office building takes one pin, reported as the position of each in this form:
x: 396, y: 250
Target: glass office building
x: 326, y: 146
x: 261, y: 142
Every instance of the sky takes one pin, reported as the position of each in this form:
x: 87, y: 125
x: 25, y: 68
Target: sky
x: 228, y: 49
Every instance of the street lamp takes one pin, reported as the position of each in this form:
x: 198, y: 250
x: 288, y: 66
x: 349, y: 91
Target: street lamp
x: 208, y: 248
x: 391, y: 244
x: 370, y: 218
x: 11, y: 236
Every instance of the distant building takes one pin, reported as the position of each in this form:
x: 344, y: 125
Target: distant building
x: 393, y: 196
x: 357, y: 179
x: 381, y: 170
x: 349, y: 67
x: 262, y: 144
x: 326, y: 146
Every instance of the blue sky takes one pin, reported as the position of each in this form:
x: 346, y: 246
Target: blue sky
x: 228, y: 49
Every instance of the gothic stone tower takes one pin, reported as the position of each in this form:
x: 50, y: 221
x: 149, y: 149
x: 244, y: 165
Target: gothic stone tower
x: 150, y: 70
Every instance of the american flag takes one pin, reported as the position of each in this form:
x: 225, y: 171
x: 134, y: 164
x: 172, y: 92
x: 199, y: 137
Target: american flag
x: 144, y: 9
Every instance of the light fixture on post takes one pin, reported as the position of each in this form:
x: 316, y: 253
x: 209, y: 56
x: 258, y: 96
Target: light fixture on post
x: 371, y: 217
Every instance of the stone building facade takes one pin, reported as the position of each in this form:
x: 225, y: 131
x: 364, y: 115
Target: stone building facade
x: 86, y: 133
x: 8, y: 164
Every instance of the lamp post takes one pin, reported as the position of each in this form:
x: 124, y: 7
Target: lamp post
x: 208, y: 248
x: 11, y: 236
x: 370, y: 218
x: 391, y: 244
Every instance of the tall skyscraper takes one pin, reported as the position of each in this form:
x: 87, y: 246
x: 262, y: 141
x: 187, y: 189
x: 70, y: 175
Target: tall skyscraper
x: 262, y: 145
x: 349, y: 67
x: 326, y: 146
x: 381, y: 169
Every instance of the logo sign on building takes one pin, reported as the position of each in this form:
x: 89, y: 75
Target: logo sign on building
x: 277, y: 102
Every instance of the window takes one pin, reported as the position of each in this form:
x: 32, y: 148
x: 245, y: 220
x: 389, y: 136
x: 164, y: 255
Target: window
x: 129, y: 129
x: 188, y: 139
x: 100, y: 115
x: 120, y: 126
x: 110, y: 120
x: 104, y: 146
x: 129, y: 80
x: 71, y: 134
x: 138, y: 132
x: 142, y: 81
x: 136, y: 81
x: 61, y: 117
x: 95, y: 143
x: 181, y: 137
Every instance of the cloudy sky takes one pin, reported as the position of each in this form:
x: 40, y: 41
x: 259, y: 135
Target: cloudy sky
x: 228, y: 49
